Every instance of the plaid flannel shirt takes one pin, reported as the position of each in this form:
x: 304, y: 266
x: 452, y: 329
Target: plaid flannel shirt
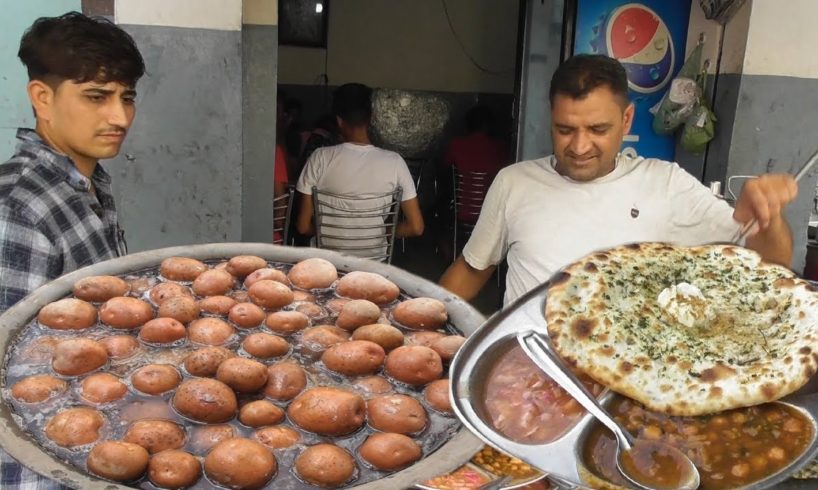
x: 50, y: 224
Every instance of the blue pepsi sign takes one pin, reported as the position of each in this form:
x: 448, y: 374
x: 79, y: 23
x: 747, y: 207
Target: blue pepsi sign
x: 648, y: 38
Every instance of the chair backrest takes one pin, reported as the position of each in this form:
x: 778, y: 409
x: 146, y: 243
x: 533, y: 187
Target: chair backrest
x: 357, y: 225
x: 282, y: 211
x: 469, y: 193
x: 415, y: 166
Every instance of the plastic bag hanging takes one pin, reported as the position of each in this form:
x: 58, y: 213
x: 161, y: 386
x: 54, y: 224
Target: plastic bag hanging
x: 700, y: 126
x: 682, y: 98
x: 720, y: 10
x: 699, y: 129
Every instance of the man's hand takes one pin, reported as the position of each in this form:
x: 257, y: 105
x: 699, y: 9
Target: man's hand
x: 764, y: 199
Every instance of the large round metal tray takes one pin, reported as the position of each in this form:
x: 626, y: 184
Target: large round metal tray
x: 23, y: 448
x: 561, y: 458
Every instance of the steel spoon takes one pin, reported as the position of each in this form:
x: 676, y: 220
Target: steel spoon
x: 542, y: 354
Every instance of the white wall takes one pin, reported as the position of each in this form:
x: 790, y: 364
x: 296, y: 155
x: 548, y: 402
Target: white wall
x: 764, y: 37
x: 783, y: 39
x: 204, y: 14
x: 408, y: 44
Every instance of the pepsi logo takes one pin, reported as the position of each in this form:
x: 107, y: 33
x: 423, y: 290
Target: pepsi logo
x: 641, y: 41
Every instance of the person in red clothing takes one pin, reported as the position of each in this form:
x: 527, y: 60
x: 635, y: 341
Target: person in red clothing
x: 280, y: 177
x: 478, y: 151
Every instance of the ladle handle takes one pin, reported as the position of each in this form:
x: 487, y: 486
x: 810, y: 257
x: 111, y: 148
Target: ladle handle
x: 542, y: 355
x: 745, y: 230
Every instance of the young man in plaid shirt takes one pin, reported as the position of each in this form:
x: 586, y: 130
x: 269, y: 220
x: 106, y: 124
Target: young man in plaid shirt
x: 57, y: 212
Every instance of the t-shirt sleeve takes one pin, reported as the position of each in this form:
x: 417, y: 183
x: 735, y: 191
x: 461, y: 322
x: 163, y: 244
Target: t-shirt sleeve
x: 697, y: 216
x: 406, y: 181
x: 27, y: 259
x: 309, y: 176
x: 488, y: 243
x: 280, y: 166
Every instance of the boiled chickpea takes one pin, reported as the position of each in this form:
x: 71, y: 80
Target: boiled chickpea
x: 773, y: 416
x: 792, y: 426
x: 759, y: 463
x: 776, y: 453
x: 740, y: 470
x: 652, y: 432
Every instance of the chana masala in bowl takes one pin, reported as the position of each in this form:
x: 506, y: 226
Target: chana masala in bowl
x: 730, y: 449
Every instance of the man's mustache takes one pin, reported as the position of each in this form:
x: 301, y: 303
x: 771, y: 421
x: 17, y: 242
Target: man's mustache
x: 114, y: 130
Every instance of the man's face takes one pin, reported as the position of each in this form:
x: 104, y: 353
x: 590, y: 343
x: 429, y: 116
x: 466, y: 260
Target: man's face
x: 587, y: 133
x: 88, y: 120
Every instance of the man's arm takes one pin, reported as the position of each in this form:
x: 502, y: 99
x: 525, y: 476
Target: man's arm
x: 304, y: 223
x: 464, y: 280
x: 308, y: 179
x: 764, y: 199
x: 412, y: 222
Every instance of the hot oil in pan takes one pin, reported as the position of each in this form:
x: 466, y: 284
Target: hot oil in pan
x: 134, y: 406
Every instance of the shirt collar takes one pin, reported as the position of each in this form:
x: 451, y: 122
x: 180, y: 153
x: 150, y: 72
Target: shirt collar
x: 29, y: 140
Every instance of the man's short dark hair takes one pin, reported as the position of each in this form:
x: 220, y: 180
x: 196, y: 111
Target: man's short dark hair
x: 82, y: 49
x: 479, y: 118
x: 352, y: 102
x: 579, y: 75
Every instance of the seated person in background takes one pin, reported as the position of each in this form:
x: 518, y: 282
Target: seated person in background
x: 284, y: 131
x: 547, y: 213
x: 280, y: 175
x: 57, y: 212
x: 356, y: 168
x: 479, y: 152
x: 293, y: 142
x: 324, y: 134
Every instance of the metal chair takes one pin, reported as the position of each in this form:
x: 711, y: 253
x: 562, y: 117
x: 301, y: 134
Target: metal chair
x: 415, y: 166
x: 469, y: 191
x: 282, y: 212
x: 358, y: 225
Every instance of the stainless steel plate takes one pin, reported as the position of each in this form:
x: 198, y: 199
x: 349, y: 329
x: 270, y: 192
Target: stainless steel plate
x: 559, y: 459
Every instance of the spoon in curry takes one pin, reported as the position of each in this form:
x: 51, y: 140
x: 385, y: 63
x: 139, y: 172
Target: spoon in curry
x: 647, y: 464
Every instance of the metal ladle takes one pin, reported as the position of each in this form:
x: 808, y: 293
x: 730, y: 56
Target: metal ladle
x: 747, y: 227
x: 542, y: 354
